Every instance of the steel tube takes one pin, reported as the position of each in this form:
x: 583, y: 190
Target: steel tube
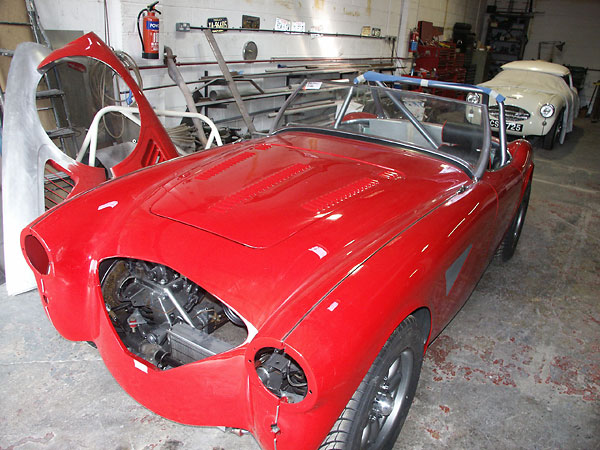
x: 230, y: 81
x: 309, y: 33
x: 344, y: 107
x: 416, y: 123
x: 289, y: 100
x: 502, y: 132
x: 277, y: 60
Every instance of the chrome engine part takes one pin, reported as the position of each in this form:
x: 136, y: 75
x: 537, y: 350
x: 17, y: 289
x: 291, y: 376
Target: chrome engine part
x: 164, y: 317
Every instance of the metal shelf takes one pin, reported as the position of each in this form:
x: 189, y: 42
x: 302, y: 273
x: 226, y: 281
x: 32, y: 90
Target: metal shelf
x: 289, y: 72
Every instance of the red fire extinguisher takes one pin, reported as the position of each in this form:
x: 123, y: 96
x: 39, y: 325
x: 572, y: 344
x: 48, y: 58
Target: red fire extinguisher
x: 413, y: 41
x: 149, y: 39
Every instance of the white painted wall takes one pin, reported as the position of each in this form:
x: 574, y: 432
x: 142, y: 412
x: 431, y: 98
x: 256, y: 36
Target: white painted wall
x: 572, y: 21
x: 341, y: 16
x: 576, y: 23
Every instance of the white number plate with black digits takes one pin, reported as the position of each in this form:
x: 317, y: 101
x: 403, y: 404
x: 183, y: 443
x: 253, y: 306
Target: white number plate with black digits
x: 518, y: 127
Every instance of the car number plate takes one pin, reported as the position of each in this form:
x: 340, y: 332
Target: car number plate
x: 509, y: 126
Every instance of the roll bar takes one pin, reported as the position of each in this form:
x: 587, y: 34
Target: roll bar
x: 379, y: 79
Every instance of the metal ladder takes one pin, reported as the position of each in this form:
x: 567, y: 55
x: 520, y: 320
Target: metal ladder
x: 54, y: 91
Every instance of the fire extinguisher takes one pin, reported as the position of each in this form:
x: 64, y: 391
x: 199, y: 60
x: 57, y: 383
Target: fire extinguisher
x: 413, y: 41
x: 149, y: 39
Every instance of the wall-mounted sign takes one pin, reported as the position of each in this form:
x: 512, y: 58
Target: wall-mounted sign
x: 282, y: 24
x: 250, y: 22
x: 217, y: 23
x: 366, y: 31
x: 315, y: 30
x: 299, y: 27
x: 375, y: 32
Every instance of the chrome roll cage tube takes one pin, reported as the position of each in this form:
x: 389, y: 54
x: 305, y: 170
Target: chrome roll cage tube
x: 285, y: 105
x: 378, y: 80
x: 410, y: 116
x: 378, y: 107
x: 344, y: 107
x: 484, y: 92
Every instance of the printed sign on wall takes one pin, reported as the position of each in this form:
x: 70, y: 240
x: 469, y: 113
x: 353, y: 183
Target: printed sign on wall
x: 282, y: 24
x: 217, y: 23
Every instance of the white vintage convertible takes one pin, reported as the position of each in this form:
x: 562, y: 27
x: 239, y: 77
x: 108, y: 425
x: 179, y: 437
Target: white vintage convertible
x: 540, y: 100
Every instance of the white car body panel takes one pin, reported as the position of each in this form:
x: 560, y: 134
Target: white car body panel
x: 538, y: 66
x: 531, y: 84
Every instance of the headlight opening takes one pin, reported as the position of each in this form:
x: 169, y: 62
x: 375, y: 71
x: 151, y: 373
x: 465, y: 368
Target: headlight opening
x: 36, y: 254
x: 281, y: 374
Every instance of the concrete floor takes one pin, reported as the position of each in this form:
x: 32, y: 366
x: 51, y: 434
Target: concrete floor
x: 519, y: 367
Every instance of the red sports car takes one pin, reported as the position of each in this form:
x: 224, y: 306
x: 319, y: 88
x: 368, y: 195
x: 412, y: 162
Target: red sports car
x: 289, y: 285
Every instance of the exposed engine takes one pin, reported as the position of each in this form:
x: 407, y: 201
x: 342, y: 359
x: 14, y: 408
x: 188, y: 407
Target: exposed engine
x: 165, y: 318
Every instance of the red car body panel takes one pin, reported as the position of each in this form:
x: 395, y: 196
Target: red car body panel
x: 322, y: 243
x: 154, y: 145
x: 286, y: 291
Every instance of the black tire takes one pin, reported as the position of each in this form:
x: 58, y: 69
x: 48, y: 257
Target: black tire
x: 554, y: 134
x: 374, y: 416
x: 507, y: 247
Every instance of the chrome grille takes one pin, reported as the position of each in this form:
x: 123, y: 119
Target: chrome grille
x: 511, y: 113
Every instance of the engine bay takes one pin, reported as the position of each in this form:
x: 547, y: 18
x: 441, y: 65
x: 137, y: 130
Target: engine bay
x: 165, y: 318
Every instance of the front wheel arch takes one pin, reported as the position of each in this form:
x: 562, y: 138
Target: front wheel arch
x: 553, y: 135
x: 375, y: 414
x: 507, y: 247
x: 423, y: 316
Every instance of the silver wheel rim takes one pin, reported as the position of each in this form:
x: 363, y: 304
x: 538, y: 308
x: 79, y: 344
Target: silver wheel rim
x: 389, y: 400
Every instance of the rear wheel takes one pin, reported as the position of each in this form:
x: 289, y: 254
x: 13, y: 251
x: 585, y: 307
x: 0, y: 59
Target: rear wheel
x: 376, y: 412
x: 509, y: 244
x: 554, y: 134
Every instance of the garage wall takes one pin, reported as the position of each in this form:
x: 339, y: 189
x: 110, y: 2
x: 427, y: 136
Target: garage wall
x: 574, y: 22
x: 329, y: 15
x: 445, y: 13
x: 341, y: 16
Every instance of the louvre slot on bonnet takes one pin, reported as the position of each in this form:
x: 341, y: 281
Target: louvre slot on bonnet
x: 331, y: 199
x: 261, y: 186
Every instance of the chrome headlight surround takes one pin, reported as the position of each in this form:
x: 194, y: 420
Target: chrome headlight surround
x: 547, y: 110
x: 473, y: 97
